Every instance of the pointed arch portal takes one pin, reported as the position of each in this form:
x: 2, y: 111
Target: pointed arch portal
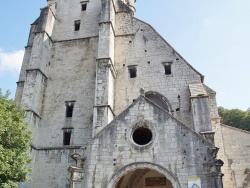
x: 143, y: 175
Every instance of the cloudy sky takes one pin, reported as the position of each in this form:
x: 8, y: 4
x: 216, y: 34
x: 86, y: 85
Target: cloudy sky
x: 213, y: 36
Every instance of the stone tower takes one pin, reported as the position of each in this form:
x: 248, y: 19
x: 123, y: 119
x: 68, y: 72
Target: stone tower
x: 112, y: 104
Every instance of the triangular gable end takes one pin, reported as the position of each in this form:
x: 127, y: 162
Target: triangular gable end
x: 143, y: 109
x: 201, y: 75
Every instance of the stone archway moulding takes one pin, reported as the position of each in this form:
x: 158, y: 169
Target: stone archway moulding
x: 162, y: 97
x: 142, y: 165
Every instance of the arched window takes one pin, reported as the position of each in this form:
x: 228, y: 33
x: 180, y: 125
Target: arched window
x: 159, y: 100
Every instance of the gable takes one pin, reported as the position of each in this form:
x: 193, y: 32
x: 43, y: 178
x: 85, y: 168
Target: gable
x: 144, y: 113
x: 159, y: 67
x: 150, y: 32
x: 173, y: 145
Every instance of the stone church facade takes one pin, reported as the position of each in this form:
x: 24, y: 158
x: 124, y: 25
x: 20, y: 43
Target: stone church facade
x: 112, y: 105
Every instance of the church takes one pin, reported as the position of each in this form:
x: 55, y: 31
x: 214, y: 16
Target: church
x: 111, y: 104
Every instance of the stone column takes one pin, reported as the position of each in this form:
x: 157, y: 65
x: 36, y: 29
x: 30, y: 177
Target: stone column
x: 213, y: 169
x: 76, y: 172
x: 76, y: 177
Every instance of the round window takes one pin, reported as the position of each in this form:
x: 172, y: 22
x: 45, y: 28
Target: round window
x: 142, y: 136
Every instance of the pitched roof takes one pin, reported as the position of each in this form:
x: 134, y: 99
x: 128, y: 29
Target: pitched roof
x: 197, y: 90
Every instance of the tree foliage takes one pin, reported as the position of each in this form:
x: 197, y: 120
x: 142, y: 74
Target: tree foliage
x: 14, y: 144
x: 235, y: 117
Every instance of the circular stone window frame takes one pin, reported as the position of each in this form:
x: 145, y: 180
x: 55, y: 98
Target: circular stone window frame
x: 147, y: 125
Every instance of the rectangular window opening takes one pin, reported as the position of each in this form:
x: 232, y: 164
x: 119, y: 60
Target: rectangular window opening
x: 84, y: 6
x: 66, y: 138
x: 132, y: 72
x: 167, y: 69
x: 69, y: 109
x: 77, y: 25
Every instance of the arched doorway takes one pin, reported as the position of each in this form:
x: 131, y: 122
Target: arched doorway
x: 144, y: 170
x: 142, y: 178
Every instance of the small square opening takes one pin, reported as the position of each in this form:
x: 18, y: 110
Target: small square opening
x: 66, y: 138
x: 167, y: 69
x: 84, y: 6
x: 132, y: 72
x: 77, y: 25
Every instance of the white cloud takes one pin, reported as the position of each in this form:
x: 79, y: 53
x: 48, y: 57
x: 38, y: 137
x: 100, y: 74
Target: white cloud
x: 11, y: 61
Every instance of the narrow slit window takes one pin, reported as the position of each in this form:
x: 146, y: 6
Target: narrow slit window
x: 167, y: 69
x: 77, y: 25
x: 132, y: 72
x: 84, y: 6
x: 66, y: 138
x: 69, y: 109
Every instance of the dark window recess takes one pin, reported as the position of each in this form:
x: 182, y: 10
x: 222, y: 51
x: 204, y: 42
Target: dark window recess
x: 66, y: 138
x: 84, y: 7
x: 132, y: 72
x: 69, y: 110
x: 77, y: 25
x: 142, y: 136
x: 167, y: 69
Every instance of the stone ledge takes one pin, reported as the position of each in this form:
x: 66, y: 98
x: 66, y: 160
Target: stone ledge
x: 55, y: 147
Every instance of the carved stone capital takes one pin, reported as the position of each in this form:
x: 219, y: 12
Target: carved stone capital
x: 76, y: 174
x: 214, y: 165
x: 79, y: 160
x: 213, y: 169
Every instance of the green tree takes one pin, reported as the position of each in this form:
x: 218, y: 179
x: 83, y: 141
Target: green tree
x: 14, y: 143
x: 235, y: 117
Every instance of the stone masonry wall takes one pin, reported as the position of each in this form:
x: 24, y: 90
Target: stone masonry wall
x: 140, y: 45
x: 49, y: 168
x: 235, y: 152
x: 62, y: 65
x: 63, y: 68
x: 174, y: 147
x: 74, y: 65
x: 70, y: 11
